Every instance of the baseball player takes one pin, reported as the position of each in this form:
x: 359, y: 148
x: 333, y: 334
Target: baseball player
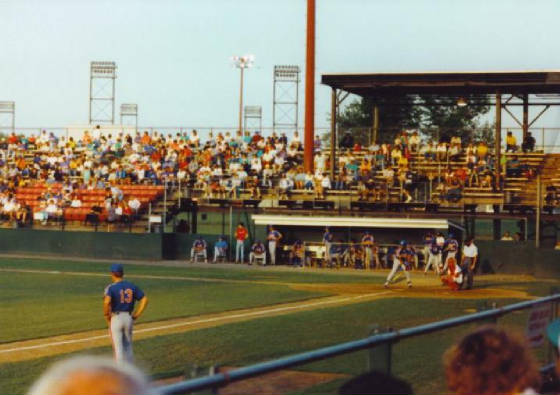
x: 220, y: 249
x: 403, y: 259
x: 336, y: 252
x: 118, y: 309
x: 370, y: 250
x: 428, y: 240
x: 327, y: 241
x: 440, y: 239
x: 451, y: 246
x: 434, y: 258
x: 349, y: 254
x: 274, y: 238
x: 297, y: 254
x: 454, y: 277
x: 241, y: 234
x: 359, y: 257
x: 199, y: 249
x: 258, y: 251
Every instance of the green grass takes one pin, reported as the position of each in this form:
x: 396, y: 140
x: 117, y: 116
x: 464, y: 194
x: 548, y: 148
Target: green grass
x: 289, y: 276
x: 417, y: 360
x: 39, y: 305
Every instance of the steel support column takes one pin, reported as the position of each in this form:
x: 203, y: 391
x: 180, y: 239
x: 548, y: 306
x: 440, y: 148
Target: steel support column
x: 498, y: 138
x: 375, y: 129
x: 309, y: 88
x: 333, y: 134
x: 525, y: 125
x: 538, y: 213
x: 241, y: 101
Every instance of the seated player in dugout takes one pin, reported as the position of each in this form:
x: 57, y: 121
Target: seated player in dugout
x: 336, y: 254
x: 258, y: 253
x: 199, y: 250
x: 297, y: 254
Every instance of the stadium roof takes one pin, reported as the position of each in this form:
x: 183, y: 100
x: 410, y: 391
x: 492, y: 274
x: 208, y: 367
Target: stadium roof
x: 446, y: 83
x: 352, y: 222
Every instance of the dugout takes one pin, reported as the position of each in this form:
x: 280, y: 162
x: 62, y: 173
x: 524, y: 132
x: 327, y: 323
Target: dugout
x: 345, y: 229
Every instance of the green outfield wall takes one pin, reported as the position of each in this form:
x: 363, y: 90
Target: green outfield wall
x: 101, y: 245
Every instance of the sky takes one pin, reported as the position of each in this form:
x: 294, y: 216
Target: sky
x: 173, y: 56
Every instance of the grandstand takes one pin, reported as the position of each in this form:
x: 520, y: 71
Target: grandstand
x: 138, y: 181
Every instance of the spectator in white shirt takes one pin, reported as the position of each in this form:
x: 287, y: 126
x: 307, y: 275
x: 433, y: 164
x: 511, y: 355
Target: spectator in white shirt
x: 134, y: 204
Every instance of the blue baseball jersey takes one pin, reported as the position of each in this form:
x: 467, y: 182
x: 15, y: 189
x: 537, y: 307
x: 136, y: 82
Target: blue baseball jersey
x: 405, y: 255
x: 452, y: 245
x: 199, y: 244
x: 221, y: 244
x: 435, y: 249
x: 327, y: 237
x: 336, y: 249
x: 258, y: 248
x: 123, y: 294
x: 274, y: 235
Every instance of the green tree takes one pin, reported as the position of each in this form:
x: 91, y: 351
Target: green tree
x: 442, y: 118
x: 395, y: 114
x: 435, y: 116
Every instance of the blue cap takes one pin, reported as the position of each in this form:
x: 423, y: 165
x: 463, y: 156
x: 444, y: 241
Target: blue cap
x: 403, y: 242
x: 117, y: 268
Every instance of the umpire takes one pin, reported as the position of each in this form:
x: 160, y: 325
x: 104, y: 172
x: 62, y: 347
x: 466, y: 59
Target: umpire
x: 118, y: 309
x: 468, y: 262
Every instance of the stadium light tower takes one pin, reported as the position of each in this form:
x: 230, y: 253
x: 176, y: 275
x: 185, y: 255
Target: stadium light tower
x: 102, y: 92
x: 242, y: 63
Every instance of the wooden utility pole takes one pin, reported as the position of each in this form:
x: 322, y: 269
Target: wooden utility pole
x: 309, y: 136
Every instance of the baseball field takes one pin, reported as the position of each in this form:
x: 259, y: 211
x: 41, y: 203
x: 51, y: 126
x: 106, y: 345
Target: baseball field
x: 234, y: 315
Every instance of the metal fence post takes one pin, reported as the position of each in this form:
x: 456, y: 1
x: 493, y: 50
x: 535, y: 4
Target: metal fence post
x: 149, y: 217
x: 486, y: 305
x: 380, y: 356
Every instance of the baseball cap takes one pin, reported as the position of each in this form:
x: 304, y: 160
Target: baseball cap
x: 117, y: 268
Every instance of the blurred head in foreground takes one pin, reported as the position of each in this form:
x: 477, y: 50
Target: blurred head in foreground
x: 90, y: 375
x: 375, y: 383
x: 491, y: 361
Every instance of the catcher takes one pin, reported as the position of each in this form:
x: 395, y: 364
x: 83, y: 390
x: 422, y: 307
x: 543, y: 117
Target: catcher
x: 454, y: 276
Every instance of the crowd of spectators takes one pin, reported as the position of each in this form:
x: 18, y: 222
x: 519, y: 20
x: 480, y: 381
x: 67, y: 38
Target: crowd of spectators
x: 224, y: 165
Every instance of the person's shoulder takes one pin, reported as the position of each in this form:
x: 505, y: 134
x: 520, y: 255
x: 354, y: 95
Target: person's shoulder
x: 108, y: 289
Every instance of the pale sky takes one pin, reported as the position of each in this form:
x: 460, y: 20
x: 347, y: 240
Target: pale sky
x: 173, y: 56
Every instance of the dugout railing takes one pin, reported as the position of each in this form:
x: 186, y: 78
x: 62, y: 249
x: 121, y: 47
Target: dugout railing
x: 212, y: 382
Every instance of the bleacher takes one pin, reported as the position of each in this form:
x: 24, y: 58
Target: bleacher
x: 515, y: 191
x: 29, y: 196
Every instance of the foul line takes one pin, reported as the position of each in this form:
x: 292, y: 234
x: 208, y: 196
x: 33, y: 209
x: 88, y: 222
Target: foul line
x: 148, y: 276
x: 200, y: 321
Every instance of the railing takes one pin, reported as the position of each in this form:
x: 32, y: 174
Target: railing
x: 222, y: 379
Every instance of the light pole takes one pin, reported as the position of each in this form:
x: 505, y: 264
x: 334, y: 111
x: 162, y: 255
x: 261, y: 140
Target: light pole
x: 242, y: 63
